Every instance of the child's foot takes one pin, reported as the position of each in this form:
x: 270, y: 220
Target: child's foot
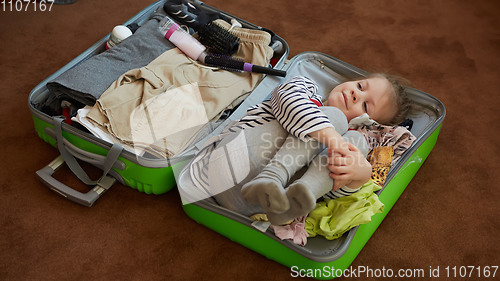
x: 301, y: 202
x: 267, y: 193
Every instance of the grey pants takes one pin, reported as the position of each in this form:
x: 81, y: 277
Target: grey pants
x: 86, y: 81
x: 271, y: 142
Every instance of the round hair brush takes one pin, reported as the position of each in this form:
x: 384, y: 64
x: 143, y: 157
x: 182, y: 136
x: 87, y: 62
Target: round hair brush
x: 217, y: 39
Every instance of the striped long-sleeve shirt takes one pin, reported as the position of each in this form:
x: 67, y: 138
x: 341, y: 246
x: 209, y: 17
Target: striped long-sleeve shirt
x: 294, y: 104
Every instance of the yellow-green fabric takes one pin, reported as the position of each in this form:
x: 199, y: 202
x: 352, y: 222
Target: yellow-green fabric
x: 333, y: 217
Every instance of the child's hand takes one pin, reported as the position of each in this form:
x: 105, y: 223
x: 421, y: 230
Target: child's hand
x: 351, y: 168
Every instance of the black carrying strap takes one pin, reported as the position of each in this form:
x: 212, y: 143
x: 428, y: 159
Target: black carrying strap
x: 71, y: 161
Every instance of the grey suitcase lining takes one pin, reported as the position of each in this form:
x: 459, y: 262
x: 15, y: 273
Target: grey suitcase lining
x: 326, y: 71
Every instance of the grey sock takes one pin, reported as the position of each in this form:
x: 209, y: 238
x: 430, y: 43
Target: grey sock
x: 267, y: 188
x: 267, y: 192
x: 302, y: 201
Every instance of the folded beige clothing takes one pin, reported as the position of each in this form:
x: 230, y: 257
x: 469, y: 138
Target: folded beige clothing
x: 167, y: 102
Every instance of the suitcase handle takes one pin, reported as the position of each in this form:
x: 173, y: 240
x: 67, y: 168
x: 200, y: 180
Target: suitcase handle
x: 101, y: 185
x: 88, y: 157
x: 86, y: 199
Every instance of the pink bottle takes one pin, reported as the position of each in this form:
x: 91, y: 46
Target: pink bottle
x: 181, y: 39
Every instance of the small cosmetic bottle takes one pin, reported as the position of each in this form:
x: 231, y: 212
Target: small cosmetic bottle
x: 181, y: 38
x: 118, y: 34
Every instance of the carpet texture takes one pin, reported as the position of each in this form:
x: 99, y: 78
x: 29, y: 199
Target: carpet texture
x: 447, y: 216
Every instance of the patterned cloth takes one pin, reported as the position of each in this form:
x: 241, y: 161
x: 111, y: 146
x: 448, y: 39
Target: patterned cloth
x: 397, y: 137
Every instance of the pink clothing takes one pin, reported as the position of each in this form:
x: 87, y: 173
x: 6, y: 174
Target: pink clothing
x: 294, y: 231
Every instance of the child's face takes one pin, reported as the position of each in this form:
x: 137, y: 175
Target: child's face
x: 372, y: 95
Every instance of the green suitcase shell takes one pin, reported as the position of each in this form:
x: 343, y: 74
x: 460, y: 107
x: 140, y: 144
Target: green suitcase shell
x: 151, y: 176
x: 322, y: 258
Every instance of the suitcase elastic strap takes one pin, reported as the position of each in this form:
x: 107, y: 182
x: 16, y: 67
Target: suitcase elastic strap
x: 72, y: 163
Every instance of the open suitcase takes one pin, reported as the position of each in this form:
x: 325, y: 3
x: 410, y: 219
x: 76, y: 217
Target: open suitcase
x: 154, y: 176
x: 146, y: 174
x: 320, y: 257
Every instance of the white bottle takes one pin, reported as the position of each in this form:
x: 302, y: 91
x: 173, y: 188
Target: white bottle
x: 118, y: 34
x: 180, y: 38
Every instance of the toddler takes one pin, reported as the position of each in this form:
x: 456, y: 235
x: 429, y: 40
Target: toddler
x: 293, y: 130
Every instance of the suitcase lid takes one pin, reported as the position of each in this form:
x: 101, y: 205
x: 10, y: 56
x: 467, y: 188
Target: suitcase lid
x: 40, y: 92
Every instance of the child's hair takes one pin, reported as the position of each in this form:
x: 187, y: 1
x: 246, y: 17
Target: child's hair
x: 403, y: 103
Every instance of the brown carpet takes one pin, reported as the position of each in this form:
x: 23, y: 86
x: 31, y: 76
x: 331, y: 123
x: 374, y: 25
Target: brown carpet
x: 447, y: 216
